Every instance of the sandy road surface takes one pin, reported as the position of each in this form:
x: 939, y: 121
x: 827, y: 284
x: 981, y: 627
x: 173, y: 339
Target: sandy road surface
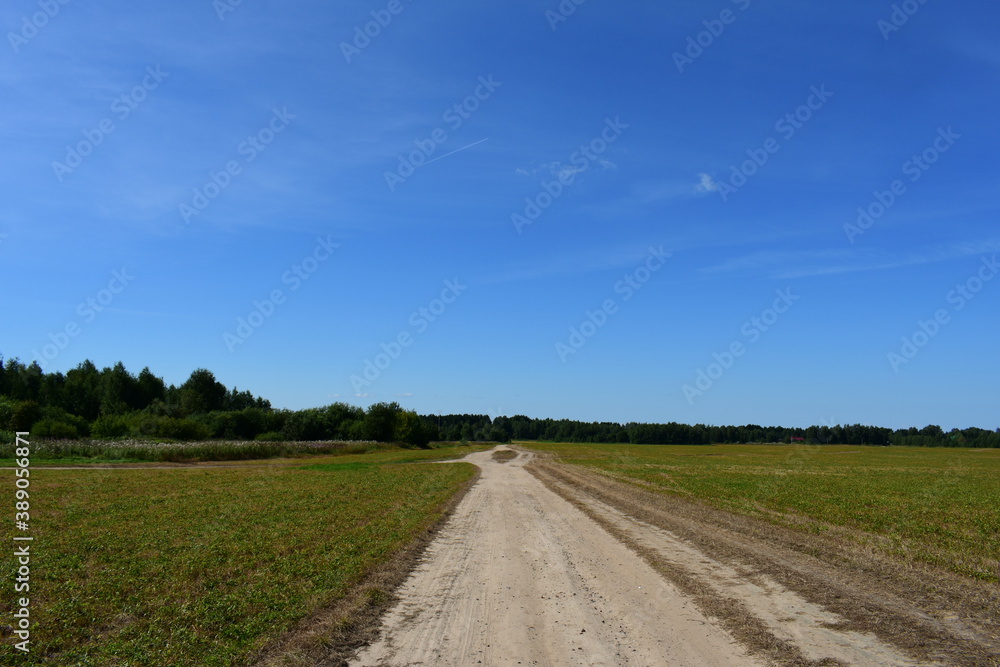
x: 520, y: 576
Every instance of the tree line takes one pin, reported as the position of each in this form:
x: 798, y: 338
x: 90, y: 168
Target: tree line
x: 565, y: 430
x: 87, y: 402
x: 113, y: 403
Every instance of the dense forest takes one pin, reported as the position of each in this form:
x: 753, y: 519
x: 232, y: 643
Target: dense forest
x: 111, y: 403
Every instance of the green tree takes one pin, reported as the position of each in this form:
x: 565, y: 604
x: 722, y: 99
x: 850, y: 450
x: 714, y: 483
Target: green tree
x: 24, y: 415
x: 932, y: 431
x: 119, y: 391
x: 82, y: 391
x: 410, y: 429
x: 22, y: 383
x: 340, y: 420
x: 150, y: 388
x: 380, y: 422
x: 201, y: 393
x: 6, y: 412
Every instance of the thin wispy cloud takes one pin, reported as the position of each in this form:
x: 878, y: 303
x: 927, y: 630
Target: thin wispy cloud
x: 706, y: 184
x: 563, y: 171
x: 572, y: 264
x: 809, y: 263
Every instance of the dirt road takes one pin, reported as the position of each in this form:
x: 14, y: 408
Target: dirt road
x: 520, y: 575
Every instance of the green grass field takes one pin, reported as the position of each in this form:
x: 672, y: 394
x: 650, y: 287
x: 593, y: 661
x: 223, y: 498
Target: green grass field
x: 937, y: 506
x: 201, y: 566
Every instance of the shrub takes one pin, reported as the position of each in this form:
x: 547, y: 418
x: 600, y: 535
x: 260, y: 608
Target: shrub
x: 219, y: 424
x: 110, y: 426
x: 51, y: 413
x: 270, y: 436
x: 182, y: 429
x: 56, y: 430
x: 170, y: 428
x: 305, y: 425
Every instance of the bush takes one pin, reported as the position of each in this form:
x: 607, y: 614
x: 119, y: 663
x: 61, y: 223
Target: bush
x: 354, y: 430
x: 51, y: 413
x: 182, y: 429
x: 270, y: 436
x: 55, y: 430
x: 250, y: 422
x: 110, y: 426
x: 219, y: 424
x: 170, y: 428
x: 305, y: 425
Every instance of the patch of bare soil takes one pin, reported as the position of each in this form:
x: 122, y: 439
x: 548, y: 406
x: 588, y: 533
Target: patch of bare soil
x: 791, y: 597
x: 504, y: 455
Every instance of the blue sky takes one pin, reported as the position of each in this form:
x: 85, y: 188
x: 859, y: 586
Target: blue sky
x: 693, y: 165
